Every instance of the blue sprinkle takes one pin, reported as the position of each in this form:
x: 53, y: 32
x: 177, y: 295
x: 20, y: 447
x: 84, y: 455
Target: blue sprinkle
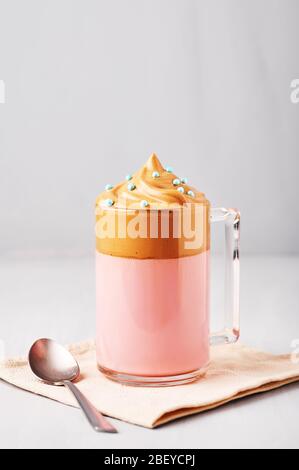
x: 155, y: 174
x: 144, y: 203
x: 108, y: 187
x: 108, y: 202
x: 169, y: 169
x: 129, y: 177
x: 181, y: 189
x: 191, y: 193
x: 176, y: 181
x: 184, y: 180
x: 131, y: 186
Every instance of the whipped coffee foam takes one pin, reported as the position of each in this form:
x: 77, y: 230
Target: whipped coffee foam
x: 153, y: 186
x: 152, y: 214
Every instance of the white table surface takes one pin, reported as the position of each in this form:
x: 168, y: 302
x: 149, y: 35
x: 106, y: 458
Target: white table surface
x: 55, y: 298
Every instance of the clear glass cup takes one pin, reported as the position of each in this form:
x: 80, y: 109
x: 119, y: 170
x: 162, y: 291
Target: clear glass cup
x: 153, y: 311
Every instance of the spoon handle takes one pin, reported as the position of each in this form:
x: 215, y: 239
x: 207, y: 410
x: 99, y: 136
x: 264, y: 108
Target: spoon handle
x: 95, y: 418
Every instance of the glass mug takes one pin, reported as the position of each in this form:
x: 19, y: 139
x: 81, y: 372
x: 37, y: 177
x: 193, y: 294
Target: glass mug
x: 153, y: 310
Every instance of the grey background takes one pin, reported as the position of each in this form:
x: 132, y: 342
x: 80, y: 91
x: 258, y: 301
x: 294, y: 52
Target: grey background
x: 93, y: 87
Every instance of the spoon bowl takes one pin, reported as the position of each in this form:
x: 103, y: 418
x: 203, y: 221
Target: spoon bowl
x: 52, y: 363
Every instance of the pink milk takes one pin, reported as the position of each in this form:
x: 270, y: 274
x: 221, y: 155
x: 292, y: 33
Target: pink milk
x: 152, y: 315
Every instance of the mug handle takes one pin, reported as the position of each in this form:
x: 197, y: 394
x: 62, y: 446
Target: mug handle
x: 231, y: 220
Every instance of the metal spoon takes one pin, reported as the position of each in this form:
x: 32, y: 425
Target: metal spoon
x: 54, y: 364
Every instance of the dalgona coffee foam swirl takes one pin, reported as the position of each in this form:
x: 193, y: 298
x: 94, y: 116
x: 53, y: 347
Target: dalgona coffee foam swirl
x: 152, y: 191
x: 151, y: 187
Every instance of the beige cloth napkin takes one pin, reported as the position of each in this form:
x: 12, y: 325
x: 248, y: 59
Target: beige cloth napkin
x: 235, y: 372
